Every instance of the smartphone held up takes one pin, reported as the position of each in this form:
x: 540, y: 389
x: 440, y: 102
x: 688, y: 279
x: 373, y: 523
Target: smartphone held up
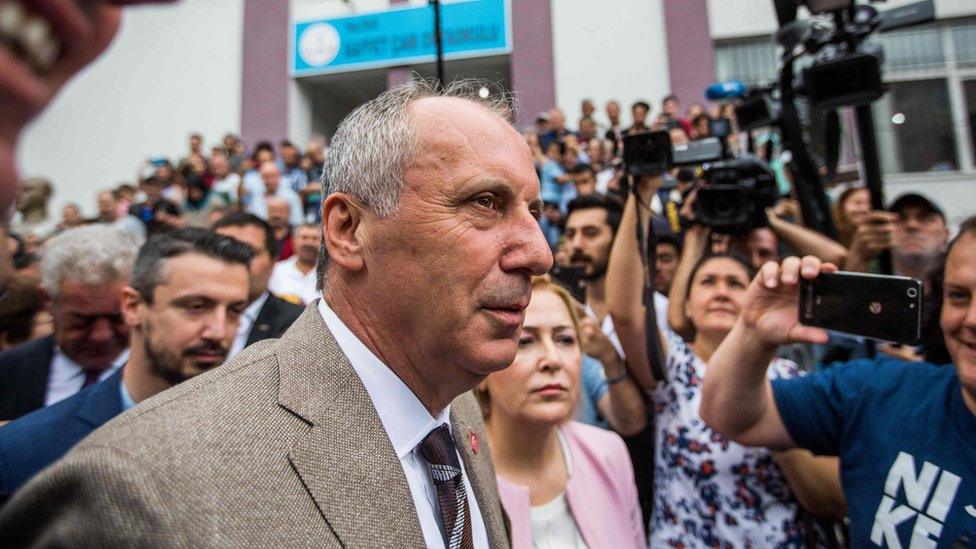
x: 880, y: 307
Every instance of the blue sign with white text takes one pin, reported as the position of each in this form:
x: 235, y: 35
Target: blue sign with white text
x: 469, y: 28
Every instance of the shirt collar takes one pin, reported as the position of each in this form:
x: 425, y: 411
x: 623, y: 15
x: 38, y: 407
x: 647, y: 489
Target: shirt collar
x: 404, y: 417
x: 254, y: 308
x: 66, y: 360
x: 127, y: 401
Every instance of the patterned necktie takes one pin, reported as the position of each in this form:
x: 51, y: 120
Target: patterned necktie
x: 439, y: 451
x: 91, y: 376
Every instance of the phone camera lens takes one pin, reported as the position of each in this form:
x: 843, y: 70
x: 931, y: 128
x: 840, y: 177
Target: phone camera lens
x: 912, y: 292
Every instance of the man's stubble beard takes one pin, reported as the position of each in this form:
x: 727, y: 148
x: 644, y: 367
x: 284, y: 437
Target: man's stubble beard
x: 599, y: 271
x: 916, y: 261
x: 162, y: 364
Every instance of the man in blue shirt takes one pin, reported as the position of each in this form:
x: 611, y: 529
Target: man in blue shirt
x: 905, y: 432
x: 556, y: 181
x: 188, y: 290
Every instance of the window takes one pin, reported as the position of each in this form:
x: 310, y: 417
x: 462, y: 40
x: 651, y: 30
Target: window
x: 970, y: 91
x: 927, y: 120
x: 914, y: 127
x: 752, y: 61
x: 964, y: 42
x: 912, y: 49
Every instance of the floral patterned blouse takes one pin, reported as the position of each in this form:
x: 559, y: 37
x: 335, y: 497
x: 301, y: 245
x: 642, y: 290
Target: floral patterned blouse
x: 708, y: 491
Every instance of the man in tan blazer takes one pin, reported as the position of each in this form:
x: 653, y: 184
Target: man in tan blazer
x: 356, y: 428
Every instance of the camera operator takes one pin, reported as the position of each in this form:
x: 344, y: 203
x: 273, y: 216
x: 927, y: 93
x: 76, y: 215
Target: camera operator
x: 701, y: 479
x: 914, y: 229
x: 758, y: 245
x: 904, y: 432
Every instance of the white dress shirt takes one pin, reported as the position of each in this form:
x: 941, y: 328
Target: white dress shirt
x: 407, y: 422
x: 287, y: 280
x: 67, y: 377
x: 244, y: 327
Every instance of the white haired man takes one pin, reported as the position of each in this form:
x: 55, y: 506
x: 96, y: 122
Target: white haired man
x: 83, y: 273
x: 349, y: 430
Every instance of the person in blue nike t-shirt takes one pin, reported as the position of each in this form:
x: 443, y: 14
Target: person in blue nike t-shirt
x: 905, y: 432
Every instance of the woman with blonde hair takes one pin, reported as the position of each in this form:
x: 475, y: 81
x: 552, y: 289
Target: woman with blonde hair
x: 562, y: 483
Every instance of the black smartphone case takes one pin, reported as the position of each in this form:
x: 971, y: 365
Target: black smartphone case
x: 881, y: 307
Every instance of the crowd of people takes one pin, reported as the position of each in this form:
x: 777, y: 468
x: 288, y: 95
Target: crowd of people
x: 363, y: 325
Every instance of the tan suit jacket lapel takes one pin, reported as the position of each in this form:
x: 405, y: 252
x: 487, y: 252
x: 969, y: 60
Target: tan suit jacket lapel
x: 345, y: 460
x: 466, y: 421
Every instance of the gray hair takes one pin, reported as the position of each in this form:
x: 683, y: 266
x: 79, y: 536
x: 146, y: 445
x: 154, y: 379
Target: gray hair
x: 372, y: 145
x: 93, y: 254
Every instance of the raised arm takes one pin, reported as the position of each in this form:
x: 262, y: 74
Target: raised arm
x: 805, y: 241
x: 625, y: 287
x: 693, y: 248
x: 873, y: 235
x: 737, y: 399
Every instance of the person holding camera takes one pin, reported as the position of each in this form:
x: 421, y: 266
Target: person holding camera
x: 904, y: 431
x: 708, y: 490
x: 914, y: 229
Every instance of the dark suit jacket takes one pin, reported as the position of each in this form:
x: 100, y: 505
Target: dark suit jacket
x: 40, y: 438
x: 279, y: 447
x: 23, y: 377
x: 276, y: 316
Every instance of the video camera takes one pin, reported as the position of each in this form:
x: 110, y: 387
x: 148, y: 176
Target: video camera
x: 652, y: 153
x: 735, y: 195
x: 846, y: 68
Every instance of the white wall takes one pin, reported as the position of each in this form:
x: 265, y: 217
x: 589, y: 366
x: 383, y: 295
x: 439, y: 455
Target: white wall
x: 612, y: 49
x: 735, y: 18
x: 172, y: 70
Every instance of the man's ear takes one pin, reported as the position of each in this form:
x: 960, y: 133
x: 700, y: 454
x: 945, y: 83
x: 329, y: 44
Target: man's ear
x: 342, y: 217
x: 131, y: 305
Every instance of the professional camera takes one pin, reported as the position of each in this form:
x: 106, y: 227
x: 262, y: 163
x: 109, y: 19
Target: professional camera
x: 652, y: 153
x: 735, y: 195
x: 846, y: 68
x: 758, y: 108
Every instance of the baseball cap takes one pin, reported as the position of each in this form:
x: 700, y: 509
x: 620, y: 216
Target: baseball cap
x: 917, y: 200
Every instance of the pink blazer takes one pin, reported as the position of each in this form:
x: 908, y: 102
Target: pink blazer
x: 601, y: 493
